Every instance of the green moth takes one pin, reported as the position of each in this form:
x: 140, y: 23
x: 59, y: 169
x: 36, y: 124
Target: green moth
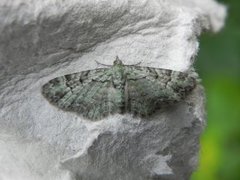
x: 95, y: 94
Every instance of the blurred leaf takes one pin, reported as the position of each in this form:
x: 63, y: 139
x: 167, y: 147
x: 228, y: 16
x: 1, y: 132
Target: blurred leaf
x: 218, y: 64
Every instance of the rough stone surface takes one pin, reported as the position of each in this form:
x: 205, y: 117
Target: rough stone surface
x: 40, y: 40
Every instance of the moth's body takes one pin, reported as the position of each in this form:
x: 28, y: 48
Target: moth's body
x: 118, y: 74
x: 95, y: 94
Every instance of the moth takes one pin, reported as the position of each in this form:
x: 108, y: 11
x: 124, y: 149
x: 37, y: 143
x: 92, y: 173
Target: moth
x: 95, y: 94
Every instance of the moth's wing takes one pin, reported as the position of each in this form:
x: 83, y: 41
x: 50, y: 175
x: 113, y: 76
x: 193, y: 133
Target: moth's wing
x: 149, y: 89
x: 88, y: 93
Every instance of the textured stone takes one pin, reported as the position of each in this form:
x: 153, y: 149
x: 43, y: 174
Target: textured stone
x: 164, y: 147
x: 41, y: 40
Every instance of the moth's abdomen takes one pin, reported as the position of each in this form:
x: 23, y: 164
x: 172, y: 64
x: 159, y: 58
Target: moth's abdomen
x: 118, y: 77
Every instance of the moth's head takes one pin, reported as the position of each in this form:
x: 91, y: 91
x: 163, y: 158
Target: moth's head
x: 117, y: 61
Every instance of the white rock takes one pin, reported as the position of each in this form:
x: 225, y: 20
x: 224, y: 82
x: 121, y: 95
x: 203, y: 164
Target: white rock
x: 40, y: 40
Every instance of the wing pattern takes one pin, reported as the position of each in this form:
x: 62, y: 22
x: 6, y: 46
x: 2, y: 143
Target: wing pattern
x: 150, y: 89
x: 88, y: 93
x: 93, y: 95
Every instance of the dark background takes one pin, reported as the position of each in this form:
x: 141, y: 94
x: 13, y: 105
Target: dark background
x: 218, y: 64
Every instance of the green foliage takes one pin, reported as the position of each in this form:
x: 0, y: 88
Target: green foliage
x: 219, y: 67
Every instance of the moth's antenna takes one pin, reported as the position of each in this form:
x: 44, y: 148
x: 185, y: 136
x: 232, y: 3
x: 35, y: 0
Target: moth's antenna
x: 102, y: 64
x: 137, y: 64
